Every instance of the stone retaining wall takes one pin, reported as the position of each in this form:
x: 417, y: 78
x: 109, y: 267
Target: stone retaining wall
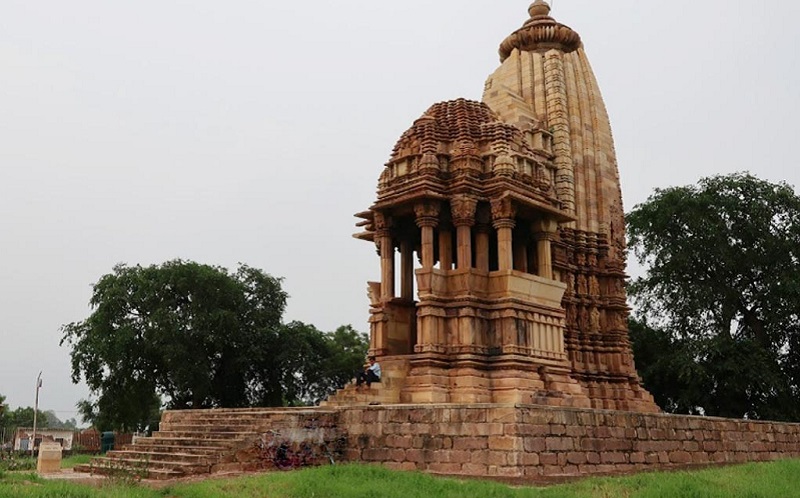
x: 523, y: 441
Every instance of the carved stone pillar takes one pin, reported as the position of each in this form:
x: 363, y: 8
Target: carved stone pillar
x: 427, y: 219
x: 483, y: 229
x: 445, y: 248
x: 406, y: 270
x: 383, y: 232
x: 463, y: 208
x: 503, y: 212
x: 520, y: 254
x: 544, y: 231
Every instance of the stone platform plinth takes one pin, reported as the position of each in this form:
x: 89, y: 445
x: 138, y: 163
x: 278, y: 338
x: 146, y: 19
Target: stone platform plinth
x: 537, y: 442
x: 526, y: 442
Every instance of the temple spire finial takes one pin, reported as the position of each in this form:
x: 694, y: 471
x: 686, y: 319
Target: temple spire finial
x: 540, y: 32
x: 539, y: 8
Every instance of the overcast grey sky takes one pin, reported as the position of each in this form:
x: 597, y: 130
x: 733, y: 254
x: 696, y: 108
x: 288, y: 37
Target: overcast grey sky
x: 251, y: 131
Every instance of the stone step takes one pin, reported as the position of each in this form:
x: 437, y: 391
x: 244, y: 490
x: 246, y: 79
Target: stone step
x: 137, y: 469
x: 186, y: 441
x: 236, y: 419
x: 247, y: 419
x: 177, y: 417
x: 232, y: 419
x: 168, y: 448
x: 243, y: 419
x: 215, y: 435
x: 202, y: 428
x: 349, y: 395
x: 155, y: 474
x: 136, y: 464
x: 242, y: 413
x: 158, y: 456
x: 198, y: 442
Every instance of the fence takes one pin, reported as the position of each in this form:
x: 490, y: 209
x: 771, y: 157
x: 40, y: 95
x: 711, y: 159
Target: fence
x: 90, y: 441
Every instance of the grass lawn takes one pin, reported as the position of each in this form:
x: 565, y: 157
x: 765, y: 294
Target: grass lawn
x: 776, y: 479
x: 73, y: 460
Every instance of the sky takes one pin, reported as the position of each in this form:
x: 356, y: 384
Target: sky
x: 251, y: 131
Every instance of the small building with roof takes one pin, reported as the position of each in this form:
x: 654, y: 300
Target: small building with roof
x: 23, y: 436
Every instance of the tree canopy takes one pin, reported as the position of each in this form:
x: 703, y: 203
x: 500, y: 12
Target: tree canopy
x: 188, y: 335
x: 23, y: 417
x: 10, y: 420
x: 717, y: 327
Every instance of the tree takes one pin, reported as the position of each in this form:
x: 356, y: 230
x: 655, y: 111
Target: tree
x: 53, y: 422
x: 3, y: 410
x: 23, y: 417
x: 717, y: 328
x: 182, y: 331
x: 186, y: 335
x: 313, y: 364
x: 348, y: 350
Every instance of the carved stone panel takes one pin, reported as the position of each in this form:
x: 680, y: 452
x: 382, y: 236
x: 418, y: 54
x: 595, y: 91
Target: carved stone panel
x: 463, y: 210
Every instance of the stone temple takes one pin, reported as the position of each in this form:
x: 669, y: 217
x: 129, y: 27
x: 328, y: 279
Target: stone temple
x: 500, y: 230
x: 500, y: 316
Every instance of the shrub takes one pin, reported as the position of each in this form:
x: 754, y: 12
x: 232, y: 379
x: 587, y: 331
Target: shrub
x: 16, y: 461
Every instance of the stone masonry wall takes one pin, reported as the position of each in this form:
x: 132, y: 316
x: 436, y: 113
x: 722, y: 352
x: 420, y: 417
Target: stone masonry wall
x: 534, y: 442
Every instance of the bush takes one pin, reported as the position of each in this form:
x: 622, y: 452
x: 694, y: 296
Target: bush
x: 16, y: 461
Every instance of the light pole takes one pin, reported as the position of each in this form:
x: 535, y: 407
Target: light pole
x: 36, y: 410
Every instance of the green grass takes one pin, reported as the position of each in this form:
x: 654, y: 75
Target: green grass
x: 19, y: 485
x: 73, y: 460
x: 776, y: 479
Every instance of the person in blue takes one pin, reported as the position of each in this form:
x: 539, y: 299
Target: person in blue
x: 370, y: 374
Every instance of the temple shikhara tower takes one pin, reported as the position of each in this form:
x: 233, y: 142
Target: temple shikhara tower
x: 500, y: 230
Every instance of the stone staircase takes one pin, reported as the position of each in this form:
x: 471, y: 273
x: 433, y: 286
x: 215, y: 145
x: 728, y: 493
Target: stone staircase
x: 195, y: 442
x: 385, y: 392
x: 349, y: 396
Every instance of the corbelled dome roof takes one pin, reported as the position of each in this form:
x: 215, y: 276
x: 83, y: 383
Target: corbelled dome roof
x: 457, y: 122
x: 540, y: 32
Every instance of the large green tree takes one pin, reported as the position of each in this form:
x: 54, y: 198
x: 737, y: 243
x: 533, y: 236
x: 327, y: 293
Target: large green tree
x: 315, y: 364
x: 53, y: 422
x: 10, y: 420
x: 23, y: 417
x: 717, y: 327
x: 186, y: 335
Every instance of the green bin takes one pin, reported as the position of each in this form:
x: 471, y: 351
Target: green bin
x: 106, y: 442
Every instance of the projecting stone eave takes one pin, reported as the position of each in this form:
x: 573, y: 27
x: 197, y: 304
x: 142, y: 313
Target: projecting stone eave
x: 408, y: 199
x: 411, y: 187
x: 529, y: 203
x: 368, y: 223
x: 364, y: 215
x: 366, y: 236
x: 484, y: 190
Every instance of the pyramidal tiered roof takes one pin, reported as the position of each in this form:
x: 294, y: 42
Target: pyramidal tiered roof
x: 458, y: 121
